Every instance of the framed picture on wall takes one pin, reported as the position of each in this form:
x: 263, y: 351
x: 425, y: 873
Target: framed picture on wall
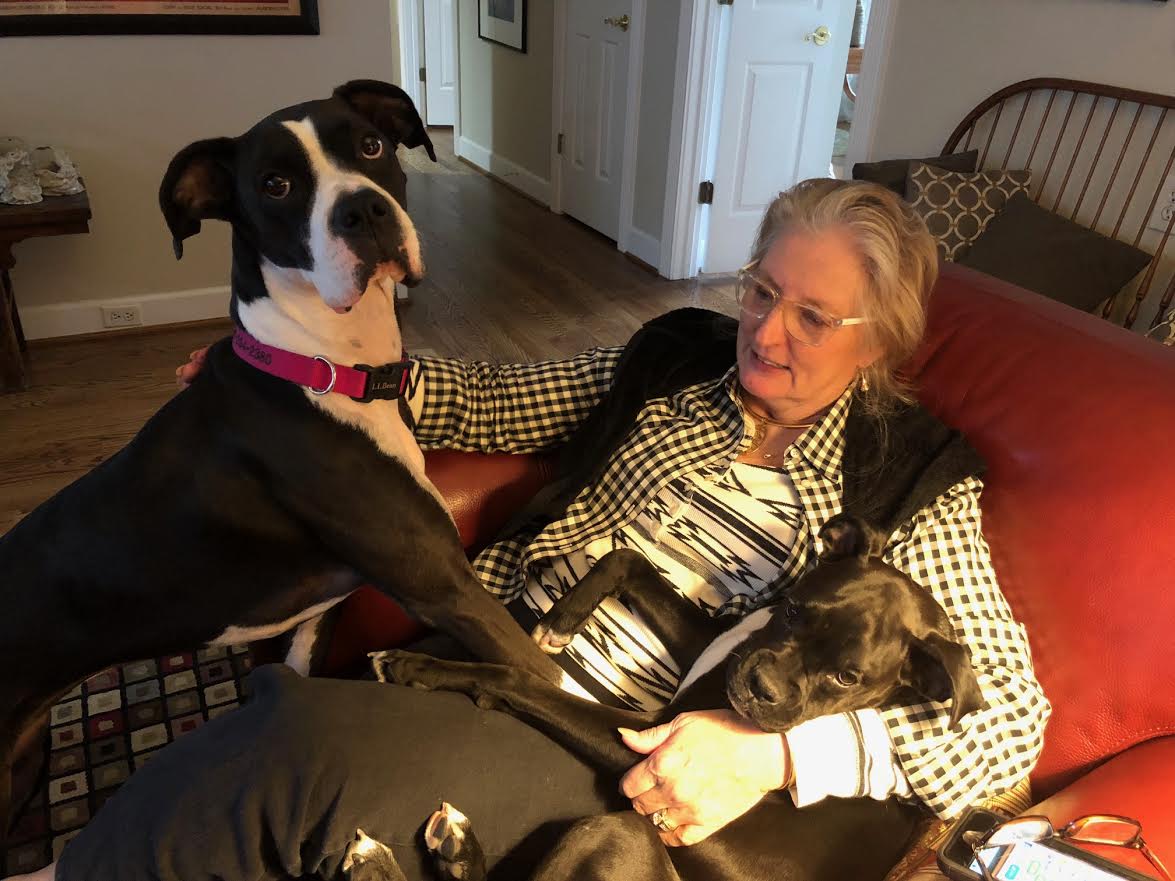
x: 502, y: 21
x: 34, y: 18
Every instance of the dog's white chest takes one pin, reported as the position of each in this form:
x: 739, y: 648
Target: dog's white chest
x: 720, y: 649
x: 380, y: 421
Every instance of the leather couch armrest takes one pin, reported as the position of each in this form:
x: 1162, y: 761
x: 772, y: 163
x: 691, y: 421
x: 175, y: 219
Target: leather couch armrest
x: 483, y: 491
x: 1137, y: 783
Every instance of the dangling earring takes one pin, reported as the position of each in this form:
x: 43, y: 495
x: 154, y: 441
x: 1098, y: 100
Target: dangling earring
x: 862, y: 381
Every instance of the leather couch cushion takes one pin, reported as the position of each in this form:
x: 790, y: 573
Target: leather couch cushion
x: 1076, y: 418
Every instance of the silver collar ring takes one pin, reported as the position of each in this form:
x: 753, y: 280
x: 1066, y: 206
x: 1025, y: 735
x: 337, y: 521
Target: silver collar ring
x: 333, y: 376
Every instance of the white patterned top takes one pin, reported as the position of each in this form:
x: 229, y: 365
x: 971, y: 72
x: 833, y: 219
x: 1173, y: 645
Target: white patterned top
x: 714, y: 535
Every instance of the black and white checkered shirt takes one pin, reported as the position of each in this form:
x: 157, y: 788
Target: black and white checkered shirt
x: 522, y: 408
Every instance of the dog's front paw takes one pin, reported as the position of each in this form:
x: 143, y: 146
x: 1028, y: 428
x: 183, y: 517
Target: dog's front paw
x: 403, y: 668
x: 549, y: 639
x: 368, y: 860
x: 449, y: 837
x: 562, y: 623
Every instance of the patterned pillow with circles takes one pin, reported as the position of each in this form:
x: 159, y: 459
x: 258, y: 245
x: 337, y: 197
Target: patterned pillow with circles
x: 957, y: 206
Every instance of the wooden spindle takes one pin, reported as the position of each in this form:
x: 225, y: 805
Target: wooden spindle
x: 1076, y: 152
x: 1016, y: 131
x: 1040, y: 131
x: 1117, y: 166
x: 999, y: 111
x: 1141, y: 168
x: 1096, y: 158
x: 1153, y: 268
x: 1056, y: 145
x: 1165, y: 303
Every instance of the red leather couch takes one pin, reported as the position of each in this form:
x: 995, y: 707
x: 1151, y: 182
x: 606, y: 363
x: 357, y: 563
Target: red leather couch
x: 1076, y: 419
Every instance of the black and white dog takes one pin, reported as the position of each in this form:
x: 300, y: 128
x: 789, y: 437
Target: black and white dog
x: 248, y: 505
x: 853, y: 633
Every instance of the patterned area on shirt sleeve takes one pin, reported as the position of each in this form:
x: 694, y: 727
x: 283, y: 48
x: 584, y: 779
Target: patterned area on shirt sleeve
x: 514, y: 408
x: 943, y: 549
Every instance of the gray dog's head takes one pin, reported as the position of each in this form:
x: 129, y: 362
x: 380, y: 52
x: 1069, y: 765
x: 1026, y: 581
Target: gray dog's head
x: 851, y: 634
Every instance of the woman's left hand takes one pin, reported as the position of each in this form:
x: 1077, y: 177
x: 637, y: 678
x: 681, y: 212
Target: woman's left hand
x: 703, y: 770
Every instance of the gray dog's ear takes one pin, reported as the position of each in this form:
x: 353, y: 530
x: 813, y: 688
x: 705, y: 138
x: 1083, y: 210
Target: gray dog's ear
x: 199, y: 185
x: 847, y: 536
x: 940, y: 669
x: 390, y: 110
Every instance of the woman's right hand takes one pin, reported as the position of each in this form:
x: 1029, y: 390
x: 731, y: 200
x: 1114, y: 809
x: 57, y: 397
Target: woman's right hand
x: 185, y: 373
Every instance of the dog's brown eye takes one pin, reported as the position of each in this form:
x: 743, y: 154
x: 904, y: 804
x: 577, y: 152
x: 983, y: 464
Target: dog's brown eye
x: 847, y: 678
x: 372, y: 147
x: 276, y: 186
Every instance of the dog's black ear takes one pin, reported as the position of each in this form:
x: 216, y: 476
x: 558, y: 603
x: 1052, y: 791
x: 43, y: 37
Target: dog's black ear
x: 847, y: 536
x: 199, y: 185
x: 940, y: 669
x: 390, y: 110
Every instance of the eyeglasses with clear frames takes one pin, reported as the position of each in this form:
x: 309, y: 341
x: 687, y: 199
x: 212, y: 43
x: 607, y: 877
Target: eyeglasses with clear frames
x: 806, y: 324
x: 1094, y: 829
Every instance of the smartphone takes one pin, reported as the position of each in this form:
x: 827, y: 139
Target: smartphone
x: 1050, y: 860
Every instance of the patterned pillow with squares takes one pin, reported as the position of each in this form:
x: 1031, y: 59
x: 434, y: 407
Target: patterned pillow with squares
x: 108, y: 727
x: 957, y: 206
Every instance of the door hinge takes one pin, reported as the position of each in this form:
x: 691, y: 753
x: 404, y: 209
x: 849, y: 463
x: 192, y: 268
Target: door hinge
x: 559, y: 144
x: 422, y: 75
x: 706, y: 192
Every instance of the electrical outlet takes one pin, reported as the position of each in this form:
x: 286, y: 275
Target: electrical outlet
x: 1165, y: 206
x: 121, y: 316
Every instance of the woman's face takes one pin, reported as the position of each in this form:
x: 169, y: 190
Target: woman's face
x: 789, y: 379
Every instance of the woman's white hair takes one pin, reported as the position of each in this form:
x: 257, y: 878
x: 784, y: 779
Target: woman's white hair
x: 898, y: 255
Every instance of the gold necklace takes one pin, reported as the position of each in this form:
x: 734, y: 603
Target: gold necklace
x: 759, y: 417
x: 758, y: 439
x: 762, y: 421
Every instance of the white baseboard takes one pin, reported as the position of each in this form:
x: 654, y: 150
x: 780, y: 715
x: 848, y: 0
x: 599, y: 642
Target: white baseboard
x: 644, y: 247
x: 511, y: 172
x: 85, y: 316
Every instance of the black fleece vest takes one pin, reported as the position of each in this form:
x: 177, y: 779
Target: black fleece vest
x: 892, y: 467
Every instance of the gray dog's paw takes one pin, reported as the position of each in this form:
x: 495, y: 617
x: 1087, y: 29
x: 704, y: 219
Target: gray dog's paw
x: 449, y: 837
x: 368, y: 860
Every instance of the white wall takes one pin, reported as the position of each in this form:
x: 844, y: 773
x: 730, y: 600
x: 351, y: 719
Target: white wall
x: 122, y: 107
x: 948, y: 55
x: 506, y: 99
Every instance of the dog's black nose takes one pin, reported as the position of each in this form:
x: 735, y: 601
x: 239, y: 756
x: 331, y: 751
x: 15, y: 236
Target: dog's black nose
x: 763, y: 688
x: 361, y: 211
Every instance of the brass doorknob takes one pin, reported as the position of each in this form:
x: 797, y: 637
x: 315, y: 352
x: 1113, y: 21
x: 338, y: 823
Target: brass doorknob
x: 621, y: 22
x: 820, y: 36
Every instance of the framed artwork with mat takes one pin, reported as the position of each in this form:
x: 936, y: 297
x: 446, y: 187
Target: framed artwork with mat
x: 35, y: 18
x: 502, y: 21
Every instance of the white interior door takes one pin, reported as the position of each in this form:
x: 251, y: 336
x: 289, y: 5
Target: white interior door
x: 440, y: 63
x: 778, y: 113
x: 595, y: 95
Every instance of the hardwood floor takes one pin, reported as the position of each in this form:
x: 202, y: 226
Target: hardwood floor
x: 507, y: 280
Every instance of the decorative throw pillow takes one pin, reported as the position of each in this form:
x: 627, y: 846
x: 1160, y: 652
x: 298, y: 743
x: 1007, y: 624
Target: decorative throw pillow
x: 893, y: 173
x: 1044, y: 252
x: 957, y: 207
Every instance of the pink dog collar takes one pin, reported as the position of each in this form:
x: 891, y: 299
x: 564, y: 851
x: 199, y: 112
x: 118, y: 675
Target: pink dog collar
x: 322, y: 376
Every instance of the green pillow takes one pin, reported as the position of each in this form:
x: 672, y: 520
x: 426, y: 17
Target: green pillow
x: 1036, y: 249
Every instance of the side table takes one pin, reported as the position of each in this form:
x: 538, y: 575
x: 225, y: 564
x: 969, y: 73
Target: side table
x: 53, y: 216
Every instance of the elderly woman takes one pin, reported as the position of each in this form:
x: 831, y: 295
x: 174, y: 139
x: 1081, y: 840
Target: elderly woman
x: 722, y: 477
